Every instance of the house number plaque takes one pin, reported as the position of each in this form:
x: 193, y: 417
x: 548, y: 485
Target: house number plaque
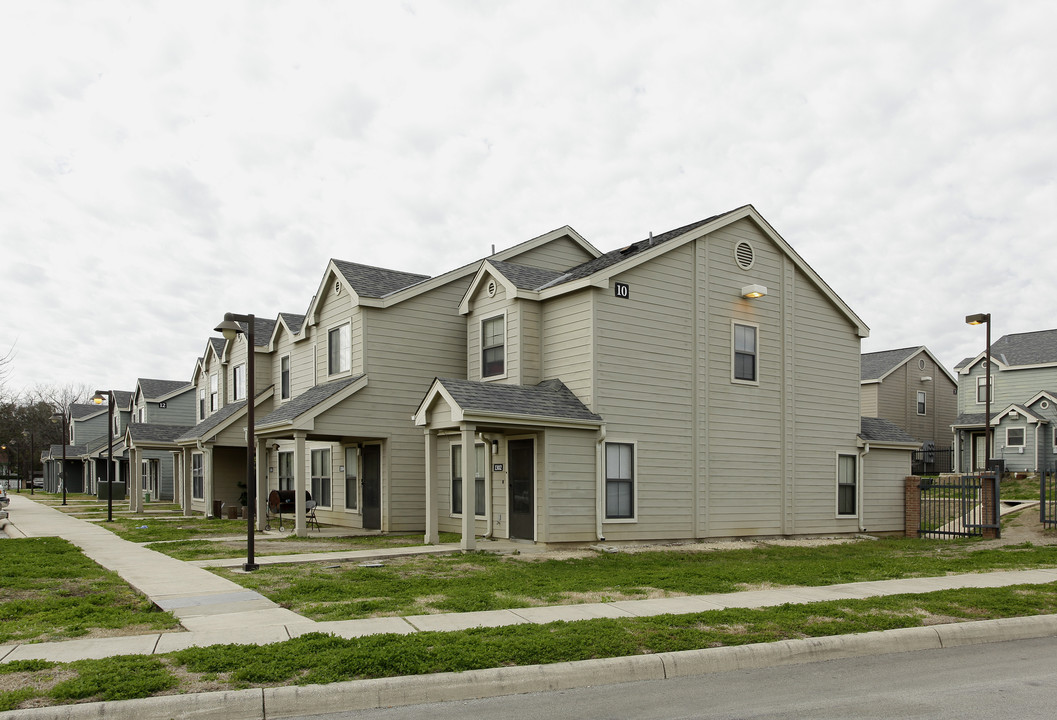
x: 621, y: 290
x: 497, y: 467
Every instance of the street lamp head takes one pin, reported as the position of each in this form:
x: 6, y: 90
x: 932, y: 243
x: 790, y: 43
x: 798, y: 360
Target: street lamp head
x: 99, y: 398
x: 56, y: 417
x: 978, y: 318
x: 229, y: 327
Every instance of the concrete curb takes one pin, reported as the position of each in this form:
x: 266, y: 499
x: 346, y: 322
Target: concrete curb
x: 281, y: 702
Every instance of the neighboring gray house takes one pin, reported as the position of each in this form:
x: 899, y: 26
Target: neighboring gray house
x: 1023, y: 404
x: 87, y: 426
x: 700, y: 383
x: 162, y: 410
x: 911, y: 388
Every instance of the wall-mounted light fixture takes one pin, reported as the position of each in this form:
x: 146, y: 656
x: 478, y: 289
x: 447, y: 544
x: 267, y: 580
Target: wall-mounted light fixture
x: 753, y: 291
x: 495, y: 447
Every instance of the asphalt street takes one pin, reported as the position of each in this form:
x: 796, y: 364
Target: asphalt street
x: 1011, y: 679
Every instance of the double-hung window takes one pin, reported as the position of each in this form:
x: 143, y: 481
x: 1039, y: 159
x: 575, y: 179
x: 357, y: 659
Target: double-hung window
x: 351, y: 457
x: 202, y: 404
x: 620, y: 481
x: 493, y: 346
x: 197, y: 477
x: 478, y: 480
x: 286, y: 471
x: 847, y: 485
x: 339, y: 349
x: 238, y: 382
x: 981, y: 388
x: 284, y: 377
x: 321, y: 477
x: 214, y: 393
x: 921, y: 402
x: 1015, y: 437
x: 745, y: 354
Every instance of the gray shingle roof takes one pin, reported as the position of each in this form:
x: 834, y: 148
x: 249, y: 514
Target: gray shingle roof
x: 147, y: 433
x: 881, y: 430
x: 218, y: 345
x: 614, y: 256
x: 374, y: 282
x: 203, y: 428
x: 873, y: 366
x: 307, y: 400
x: 123, y: 399
x: 549, y: 399
x: 158, y: 388
x: 525, y: 277
x: 1031, y: 348
x: 293, y: 321
x: 971, y: 419
x: 71, y: 451
x: 262, y: 330
x: 83, y: 410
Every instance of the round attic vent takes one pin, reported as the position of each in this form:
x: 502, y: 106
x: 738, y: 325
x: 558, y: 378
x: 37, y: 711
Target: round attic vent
x: 491, y: 288
x: 744, y: 255
x: 1044, y: 404
x: 337, y: 288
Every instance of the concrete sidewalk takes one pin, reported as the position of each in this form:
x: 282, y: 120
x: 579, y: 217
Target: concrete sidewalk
x: 218, y: 611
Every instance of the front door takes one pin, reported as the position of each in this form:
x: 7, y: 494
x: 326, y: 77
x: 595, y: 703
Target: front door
x: 522, y: 488
x: 372, y: 487
x: 979, y: 454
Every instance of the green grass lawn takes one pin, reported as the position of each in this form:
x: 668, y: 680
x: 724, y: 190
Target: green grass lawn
x: 51, y: 591
x: 483, y: 581
x: 317, y: 658
x: 140, y: 528
x: 287, y: 545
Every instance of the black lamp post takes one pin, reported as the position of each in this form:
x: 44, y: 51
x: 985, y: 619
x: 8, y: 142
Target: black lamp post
x: 230, y: 328
x: 28, y: 434
x: 985, y: 319
x: 64, y: 417
x: 99, y: 398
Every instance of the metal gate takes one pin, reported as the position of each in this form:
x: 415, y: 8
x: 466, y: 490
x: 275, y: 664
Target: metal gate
x: 954, y: 507
x: 1048, y: 498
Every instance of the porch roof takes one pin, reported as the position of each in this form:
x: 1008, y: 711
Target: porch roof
x: 149, y: 434
x: 313, y: 400
x: 548, y: 402
x: 221, y: 418
x: 884, y: 431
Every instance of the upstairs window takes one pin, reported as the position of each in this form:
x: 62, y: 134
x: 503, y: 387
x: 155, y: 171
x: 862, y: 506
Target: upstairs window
x: 214, y: 393
x: 238, y: 382
x: 339, y: 350
x: 202, y: 404
x: 981, y: 388
x: 745, y: 353
x: 493, y: 344
x: 921, y: 402
x: 284, y: 377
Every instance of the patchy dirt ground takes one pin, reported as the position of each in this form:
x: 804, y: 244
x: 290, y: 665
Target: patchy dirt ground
x: 1025, y: 526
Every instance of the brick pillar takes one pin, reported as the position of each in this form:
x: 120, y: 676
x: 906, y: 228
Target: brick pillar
x: 990, y: 502
x: 912, y: 505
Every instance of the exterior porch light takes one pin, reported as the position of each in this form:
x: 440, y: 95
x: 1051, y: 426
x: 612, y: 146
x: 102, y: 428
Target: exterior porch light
x: 64, y: 418
x: 753, y: 291
x: 985, y: 319
x: 231, y: 329
x: 100, y: 397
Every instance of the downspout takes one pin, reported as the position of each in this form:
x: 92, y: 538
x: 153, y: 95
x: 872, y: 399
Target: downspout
x: 600, y: 466
x: 862, y: 485
x: 1037, y: 425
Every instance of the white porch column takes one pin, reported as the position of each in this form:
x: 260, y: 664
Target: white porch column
x: 300, y: 525
x: 186, y: 479
x: 207, y: 471
x: 469, y: 470
x: 262, y: 484
x: 135, y: 498
x: 432, y: 533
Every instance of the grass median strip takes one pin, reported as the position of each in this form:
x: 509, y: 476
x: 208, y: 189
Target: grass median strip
x: 51, y: 591
x: 483, y: 581
x: 317, y: 658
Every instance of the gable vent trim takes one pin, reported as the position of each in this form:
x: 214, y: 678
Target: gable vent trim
x: 744, y: 255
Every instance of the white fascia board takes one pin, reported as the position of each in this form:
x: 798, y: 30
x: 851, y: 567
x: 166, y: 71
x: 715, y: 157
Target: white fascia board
x: 487, y: 269
x: 529, y: 420
x: 317, y: 299
x: 870, y: 382
x: 994, y: 361
x: 436, y: 389
x: 1041, y: 395
x: 540, y: 240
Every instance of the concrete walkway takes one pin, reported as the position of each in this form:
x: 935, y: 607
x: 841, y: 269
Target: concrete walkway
x: 217, y: 611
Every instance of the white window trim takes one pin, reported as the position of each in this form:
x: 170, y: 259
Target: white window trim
x: 358, y: 510
x: 279, y: 468
x: 756, y: 326
x: 203, y: 466
x: 837, y: 483
x: 1023, y: 436
x: 1054, y: 437
x: 339, y: 372
x: 922, y: 400
x: 214, y: 406
x: 634, y: 481
x: 451, y: 480
x: 506, y: 345
x: 330, y: 476
x: 235, y: 382
x: 978, y: 379
x: 290, y: 376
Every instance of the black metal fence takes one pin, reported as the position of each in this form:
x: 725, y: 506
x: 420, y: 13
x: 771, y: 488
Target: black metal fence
x: 955, y: 507
x: 1048, y: 498
x: 932, y: 462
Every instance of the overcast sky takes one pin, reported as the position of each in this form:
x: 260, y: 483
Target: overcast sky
x: 162, y: 163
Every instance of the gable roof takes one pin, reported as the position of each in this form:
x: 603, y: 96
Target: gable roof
x: 548, y: 401
x: 876, y: 366
x: 83, y: 411
x: 879, y: 430
x: 146, y: 433
x: 158, y: 389
x: 1030, y: 349
x: 375, y: 282
x: 262, y: 330
x: 312, y: 399
x: 123, y: 399
x: 223, y: 417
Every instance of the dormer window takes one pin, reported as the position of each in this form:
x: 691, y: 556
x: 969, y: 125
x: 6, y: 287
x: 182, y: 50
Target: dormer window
x: 339, y: 350
x: 493, y: 346
x: 238, y: 382
x: 214, y: 393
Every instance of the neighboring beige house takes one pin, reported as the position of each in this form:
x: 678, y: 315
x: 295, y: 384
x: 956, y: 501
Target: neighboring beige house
x: 699, y: 383
x: 162, y: 410
x: 911, y: 387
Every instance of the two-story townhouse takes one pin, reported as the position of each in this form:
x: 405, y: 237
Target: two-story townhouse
x: 1023, y: 404
x: 912, y: 388
x: 358, y: 359
x: 700, y: 383
x: 212, y: 456
x: 86, y: 427
x: 162, y: 410
x: 112, y: 438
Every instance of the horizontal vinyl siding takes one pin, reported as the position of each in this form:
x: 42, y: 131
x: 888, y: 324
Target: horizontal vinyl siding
x: 335, y: 311
x: 567, y: 354
x: 868, y: 400
x: 560, y: 254
x: 1010, y: 386
x: 884, y: 473
x: 571, y: 486
x: 644, y: 380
